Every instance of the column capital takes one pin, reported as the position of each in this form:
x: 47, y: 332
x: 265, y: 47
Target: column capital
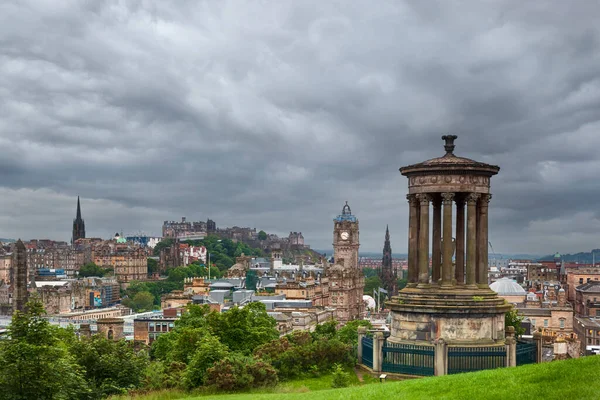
x: 472, y: 198
x: 447, y: 198
x: 424, y: 198
x: 484, y: 200
x: 412, y: 199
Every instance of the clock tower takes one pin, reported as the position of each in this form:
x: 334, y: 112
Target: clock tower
x: 346, y: 280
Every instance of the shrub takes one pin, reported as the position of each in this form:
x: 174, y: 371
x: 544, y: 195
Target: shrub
x: 237, y: 372
x: 340, y: 377
x: 208, y: 351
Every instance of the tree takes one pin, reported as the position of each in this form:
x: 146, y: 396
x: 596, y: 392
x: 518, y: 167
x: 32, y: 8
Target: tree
x: 512, y: 318
x: 152, y: 266
x: 208, y: 351
x: 371, y: 283
x: 262, y: 235
x: 161, y: 245
x: 34, y: 363
x: 142, y: 301
x: 110, y: 367
x: 91, y: 269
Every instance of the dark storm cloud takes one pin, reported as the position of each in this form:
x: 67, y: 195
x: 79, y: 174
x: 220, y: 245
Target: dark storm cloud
x: 272, y: 114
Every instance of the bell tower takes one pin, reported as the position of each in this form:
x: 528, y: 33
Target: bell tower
x: 346, y: 280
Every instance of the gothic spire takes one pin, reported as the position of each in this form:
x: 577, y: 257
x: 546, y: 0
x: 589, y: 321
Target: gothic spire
x: 78, y: 217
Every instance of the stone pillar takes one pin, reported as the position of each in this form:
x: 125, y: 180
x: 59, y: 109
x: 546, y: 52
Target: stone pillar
x: 440, y: 360
x: 447, y: 273
x: 362, y: 332
x: 460, y: 241
x: 424, y: 200
x: 472, y: 240
x: 378, y: 340
x: 511, y: 347
x: 482, y: 237
x: 537, y: 336
x: 413, y: 240
x: 436, y: 241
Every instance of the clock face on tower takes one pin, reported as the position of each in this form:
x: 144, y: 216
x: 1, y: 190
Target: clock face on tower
x: 344, y: 235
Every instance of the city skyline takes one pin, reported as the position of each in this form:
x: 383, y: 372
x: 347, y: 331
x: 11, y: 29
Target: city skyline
x: 275, y: 121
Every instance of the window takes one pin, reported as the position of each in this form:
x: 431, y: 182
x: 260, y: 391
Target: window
x: 533, y: 321
x: 589, y: 279
x: 580, y: 280
x: 545, y: 323
x: 562, y: 323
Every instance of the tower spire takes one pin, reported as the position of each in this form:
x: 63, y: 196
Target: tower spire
x: 78, y: 209
x: 78, y: 224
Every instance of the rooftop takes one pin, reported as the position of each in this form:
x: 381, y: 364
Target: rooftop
x: 507, y: 287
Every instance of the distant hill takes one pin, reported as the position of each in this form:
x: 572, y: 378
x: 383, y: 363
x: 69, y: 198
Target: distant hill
x: 3, y: 240
x: 584, y: 258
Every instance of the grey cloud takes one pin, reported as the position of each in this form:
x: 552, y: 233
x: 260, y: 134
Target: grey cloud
x: 273, y: 115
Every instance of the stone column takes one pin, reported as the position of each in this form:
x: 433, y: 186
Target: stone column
x: 447, y: 274
x: 424, y: 200
x: 537, y: 337
x: 472, y: 240
x: 482, y: 237
x: 436, y: 241
x: 362, y: 332
x: 440, y: 357
x: 413, y: 240
x: 511, y: 347
x: 378, y: 340
x: 460, y: 241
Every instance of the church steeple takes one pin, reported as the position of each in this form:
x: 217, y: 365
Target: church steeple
x: 78, y: 225
x: 78, y: 217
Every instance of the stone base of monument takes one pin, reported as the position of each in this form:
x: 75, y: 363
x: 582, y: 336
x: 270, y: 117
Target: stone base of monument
x: 458, y: 316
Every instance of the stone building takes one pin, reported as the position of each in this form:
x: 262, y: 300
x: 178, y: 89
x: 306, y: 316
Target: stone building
x: 21, y: 294
x: 6, y: 268
x: 78, y: 225
x: 148, y: 329
x: 587, y: 299
x: 129, y: 262
x: 588, y: 332
x: 111, y: 328
x: 346, y: 280
x: 579, y: 276
x: 174, y: 229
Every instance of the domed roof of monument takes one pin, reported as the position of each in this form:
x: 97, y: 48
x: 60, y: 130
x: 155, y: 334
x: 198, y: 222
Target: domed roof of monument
x: 507, y: 287
x: 449, y: 161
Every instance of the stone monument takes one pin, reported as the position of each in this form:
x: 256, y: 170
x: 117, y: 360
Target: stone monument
x: 449, y: 301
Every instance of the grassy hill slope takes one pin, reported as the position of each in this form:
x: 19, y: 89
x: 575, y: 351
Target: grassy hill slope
x: 572, y: 379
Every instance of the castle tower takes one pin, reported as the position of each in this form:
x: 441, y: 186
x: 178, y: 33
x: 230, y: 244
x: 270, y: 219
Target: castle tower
x: 346, y: 281
x: 20, y: 268
x: 78, y: 225
x: 386, y: 273
x: 451, y: 301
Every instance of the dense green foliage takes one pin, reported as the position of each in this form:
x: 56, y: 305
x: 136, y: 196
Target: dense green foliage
x: 110, y: 367
x: 42, y: 361
x: 512, y: 318
x: 152, y: 266
x: 91, y: 269
x: 340, y: 377
x: 224, y: 251
x: 262, y: 235
x: 35, y: 363
x: 140, y: 302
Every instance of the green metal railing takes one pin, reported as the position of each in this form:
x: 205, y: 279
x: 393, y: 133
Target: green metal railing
x: 467, y: 359
x: 367, y: 351
x: 526, y: 353
x: 408, y: 359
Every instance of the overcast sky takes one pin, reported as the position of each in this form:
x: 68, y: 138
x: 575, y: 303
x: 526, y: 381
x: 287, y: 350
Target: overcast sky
x: 272, y: 114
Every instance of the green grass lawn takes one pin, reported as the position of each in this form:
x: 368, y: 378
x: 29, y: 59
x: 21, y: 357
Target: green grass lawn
x: 565, y: 380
